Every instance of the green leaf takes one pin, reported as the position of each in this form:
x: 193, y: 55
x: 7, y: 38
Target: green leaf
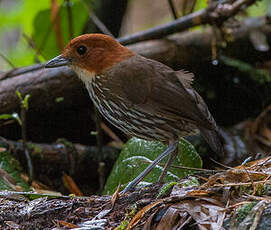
x: 59, y: 99
x: 15, y: 20
x: 19, y: 95
x: 260, y: 75
x: 13, y: 116
x: 44, y: 35
x: 26, y: 101
x: 165, y: 188
x: 6, y: 116
x: 16, y: 117
x: 137, y: 152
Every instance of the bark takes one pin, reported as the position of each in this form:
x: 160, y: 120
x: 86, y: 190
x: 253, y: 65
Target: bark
x: 24, y: 211
x: 44, y: 86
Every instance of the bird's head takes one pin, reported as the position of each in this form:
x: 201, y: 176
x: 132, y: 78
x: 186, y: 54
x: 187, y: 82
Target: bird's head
x: 91, y: 54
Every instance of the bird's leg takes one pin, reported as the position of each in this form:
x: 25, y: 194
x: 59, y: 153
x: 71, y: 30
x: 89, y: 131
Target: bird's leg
x: 172, y: 146
x: 170, y: 159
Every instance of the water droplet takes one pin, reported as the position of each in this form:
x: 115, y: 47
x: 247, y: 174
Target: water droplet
x: 236, y: 80
x: 215, y: 62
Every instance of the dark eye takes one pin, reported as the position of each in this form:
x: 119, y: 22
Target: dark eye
x: 81, y: 50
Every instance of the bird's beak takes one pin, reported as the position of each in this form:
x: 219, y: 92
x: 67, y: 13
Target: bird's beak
x: 57, y: 61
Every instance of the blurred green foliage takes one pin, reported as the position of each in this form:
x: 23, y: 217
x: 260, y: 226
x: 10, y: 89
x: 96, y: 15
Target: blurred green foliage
x: 11, y: 166
x: 45, y: 37
x: 32, y: 18
x: 260, y: 8
x: 260, y: 75
x: 15, y: 19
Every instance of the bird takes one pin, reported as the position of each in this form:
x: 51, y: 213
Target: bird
x: 140, y: 96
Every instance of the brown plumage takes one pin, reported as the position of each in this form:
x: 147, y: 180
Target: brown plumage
x: 142, y: 97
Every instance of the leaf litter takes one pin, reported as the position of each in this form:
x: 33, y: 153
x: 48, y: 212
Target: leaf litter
x: 215, y: 203
x: 236, y: 198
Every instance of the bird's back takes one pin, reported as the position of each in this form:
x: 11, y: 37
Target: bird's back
x: 147, y: 99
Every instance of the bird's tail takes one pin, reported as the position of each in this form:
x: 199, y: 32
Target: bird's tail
x: 214, y: 139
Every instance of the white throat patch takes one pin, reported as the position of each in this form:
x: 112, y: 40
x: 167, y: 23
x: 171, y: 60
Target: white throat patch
x: 83, y: 74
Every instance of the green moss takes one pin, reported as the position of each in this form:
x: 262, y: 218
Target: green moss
x: 266, y: 189
x: 248, y: 189
x: 165, y: 188
x: 191, y: 182
x: 245, y: 189
x: 259, y: 189
x: 36, y: 149
x: 65, y: 142
x: 243, y: 211
x: 123, y: 225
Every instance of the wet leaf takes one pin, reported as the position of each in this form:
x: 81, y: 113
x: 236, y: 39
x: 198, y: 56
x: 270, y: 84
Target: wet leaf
x: 169, y: 219
x: 136, y: 156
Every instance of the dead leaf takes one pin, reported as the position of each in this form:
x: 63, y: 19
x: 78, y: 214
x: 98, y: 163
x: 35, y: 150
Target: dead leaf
x: 141, y: 213
x: 198, y: 193
x: 2, y: 149
x: 114, y: 198
x: 9, y: 181
x: 206, y: 215
x: 66, y: 224
x: 258, y: 133
x: 117, y: 142
x: 169, y: 219
x: 56, y: 22
x: 71, y: 185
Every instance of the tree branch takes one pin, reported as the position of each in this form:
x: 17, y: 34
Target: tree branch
x: 172, y: 8
x: 215, y: 13
x: 58, y: 154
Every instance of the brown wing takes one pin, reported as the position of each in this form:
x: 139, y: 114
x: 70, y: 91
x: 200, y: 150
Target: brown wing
x: 156, y: 88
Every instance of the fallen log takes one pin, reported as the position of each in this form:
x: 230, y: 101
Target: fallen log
x: 50, y: 161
